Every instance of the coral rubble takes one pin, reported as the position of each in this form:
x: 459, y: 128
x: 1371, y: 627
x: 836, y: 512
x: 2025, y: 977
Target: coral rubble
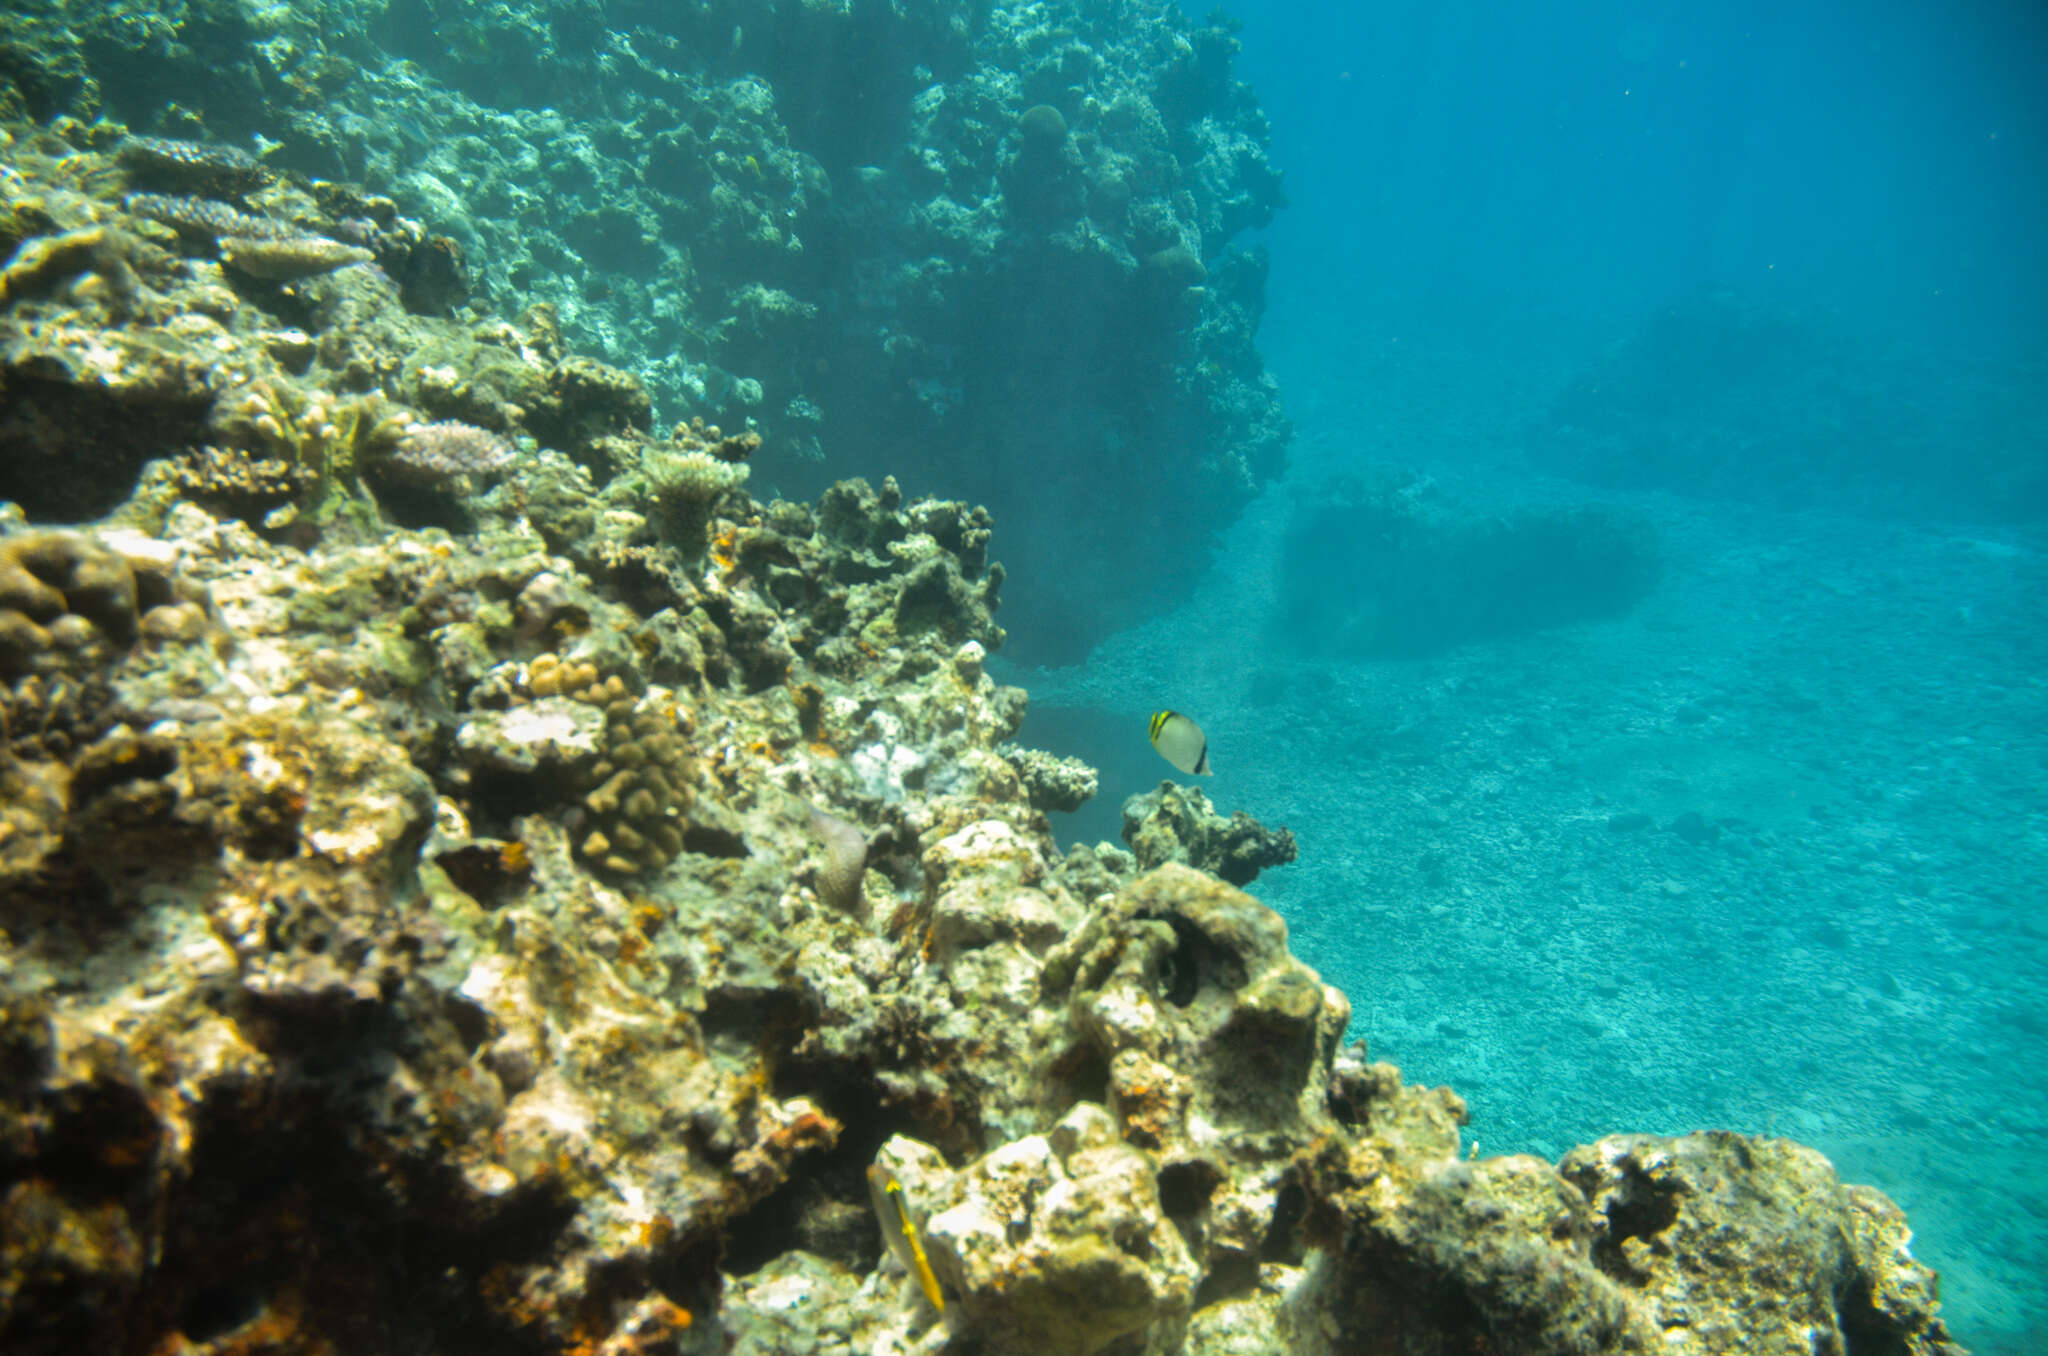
x: 474, y: 878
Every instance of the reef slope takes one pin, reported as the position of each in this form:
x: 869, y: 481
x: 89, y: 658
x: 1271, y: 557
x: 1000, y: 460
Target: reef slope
x: 453, y: 905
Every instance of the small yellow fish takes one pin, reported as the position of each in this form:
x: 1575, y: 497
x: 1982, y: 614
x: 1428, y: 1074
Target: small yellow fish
x: 894, y: 1215
x: 1181, y: 742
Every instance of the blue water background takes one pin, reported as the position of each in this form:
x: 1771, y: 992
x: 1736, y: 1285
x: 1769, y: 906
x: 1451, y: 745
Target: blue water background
x: 1490, y: 203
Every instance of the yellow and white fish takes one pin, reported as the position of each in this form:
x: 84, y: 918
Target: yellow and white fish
x: 899, y: 1231
x: 1181, y: 742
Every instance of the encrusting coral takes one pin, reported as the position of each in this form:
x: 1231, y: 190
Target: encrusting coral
x: 168, y: 159
x: 286, y: 257
x: 448, y: 447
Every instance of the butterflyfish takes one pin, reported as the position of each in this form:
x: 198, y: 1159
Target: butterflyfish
x: 899, y: 1231
x: 1181, y: 742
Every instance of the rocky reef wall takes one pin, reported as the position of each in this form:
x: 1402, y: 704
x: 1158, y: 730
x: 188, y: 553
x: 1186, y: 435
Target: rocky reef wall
x: 453, y: 903
x: 998, y: 245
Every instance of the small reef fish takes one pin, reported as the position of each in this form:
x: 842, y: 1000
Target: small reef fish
x: 899, y: 1231
x: 1181, y: 742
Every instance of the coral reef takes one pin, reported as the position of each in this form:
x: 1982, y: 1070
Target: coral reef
x: 997, y: 250
x: 1052, y: 782
x: 1178, y: 824
x: 504, y: 913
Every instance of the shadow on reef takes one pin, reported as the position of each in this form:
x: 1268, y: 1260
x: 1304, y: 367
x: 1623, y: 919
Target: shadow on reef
x: 611, y: 918
x: 1384, y: 568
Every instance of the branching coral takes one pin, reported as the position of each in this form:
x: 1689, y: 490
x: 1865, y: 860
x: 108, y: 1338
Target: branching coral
x: 685, y: 485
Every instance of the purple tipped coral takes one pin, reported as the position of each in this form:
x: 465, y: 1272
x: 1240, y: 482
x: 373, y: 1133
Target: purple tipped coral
x: 449, y: 448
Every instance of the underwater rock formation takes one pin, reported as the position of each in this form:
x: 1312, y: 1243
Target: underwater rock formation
x: 1178, y: 824
x: 1383, y: 566
x: 996, y: 247
x: 505, y: 914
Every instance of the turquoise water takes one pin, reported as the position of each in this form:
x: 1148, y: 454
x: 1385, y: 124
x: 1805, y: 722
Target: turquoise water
x: 1856, y: 958
x: 1758, y: 845
x: 1767, y: 850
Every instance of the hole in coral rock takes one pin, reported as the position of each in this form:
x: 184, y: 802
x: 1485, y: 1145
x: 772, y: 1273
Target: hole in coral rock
x: 1640, y: 1210
x: 1866, y: 1330
x: 218, y: 1310
x: 1232, y: 1273
x: 1081, y: 1075
x: 823, y: 1208
x: 744, y: 1025
x: 1185, y: 1188
x: 1282, y: 1242
x: 1259, y: 1066
x: 472, y: 1024
x: 1196, y: 960
x: 491, y: 873
x: 713, y: 842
